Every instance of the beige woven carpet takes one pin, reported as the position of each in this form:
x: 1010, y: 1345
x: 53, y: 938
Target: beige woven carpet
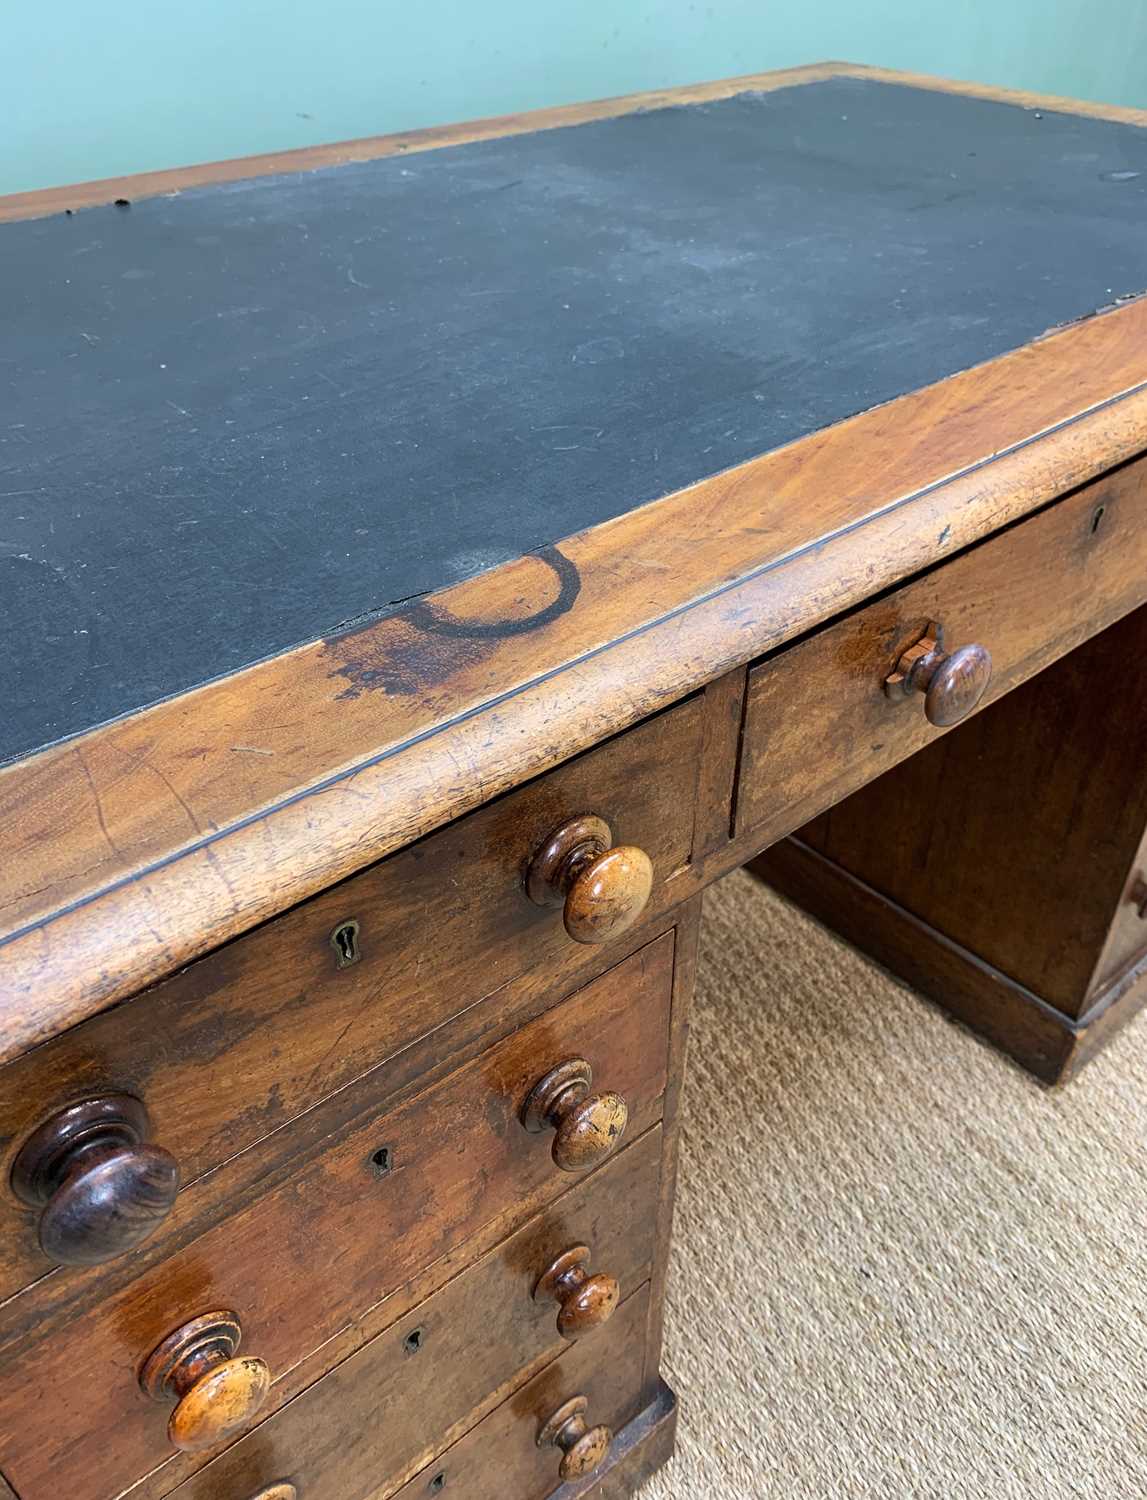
x: 901, y: 1267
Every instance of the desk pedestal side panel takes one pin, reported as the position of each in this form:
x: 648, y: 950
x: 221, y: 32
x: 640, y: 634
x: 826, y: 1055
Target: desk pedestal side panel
x: 1002, y: 870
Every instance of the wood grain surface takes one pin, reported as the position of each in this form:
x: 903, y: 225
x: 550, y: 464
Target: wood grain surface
x: 143, y: 845
x: 500, y: 1456
x: 639, y: 1449
x: 301, y: 1261
x: 235, y: 1046
x: 440, y: 1369
x: 818, y: 723
x: 1041, y: 1038
x: 1018, y: 835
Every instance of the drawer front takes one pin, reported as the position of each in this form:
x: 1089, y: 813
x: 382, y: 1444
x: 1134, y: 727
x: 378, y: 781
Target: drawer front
x: 819, y: 722
x: 252, y: 1035
x: 500, y: 1458
x: 301, y: 1262
x: 385, y: 1412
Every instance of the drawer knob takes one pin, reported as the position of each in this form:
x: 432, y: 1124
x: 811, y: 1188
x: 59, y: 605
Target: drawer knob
x: 952, y: 683
x: 102, y: 1186
x: 280, y: 1491
x: 586, y: 1301
x: 215, y: 1393
x: 587, y: 1126
x: 601, y: 889
x: 583, y: 1448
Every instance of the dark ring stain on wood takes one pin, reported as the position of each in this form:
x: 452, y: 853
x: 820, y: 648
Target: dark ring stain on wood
x: 432, y: 644
x: 675, y: 310
x: 430, y: 618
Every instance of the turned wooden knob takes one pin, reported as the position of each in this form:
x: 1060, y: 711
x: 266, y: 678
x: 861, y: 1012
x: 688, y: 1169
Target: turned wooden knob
x: 602, y: 890
x: 587, y: 1127
x: 102, y: 1185
x: 215, y: 1392
x: 280, y: 1491
x: 586, y: 1301
x: 952, y: 683
x: 583, y: 1448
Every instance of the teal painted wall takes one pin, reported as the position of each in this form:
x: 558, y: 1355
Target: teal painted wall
x: 96, y: 90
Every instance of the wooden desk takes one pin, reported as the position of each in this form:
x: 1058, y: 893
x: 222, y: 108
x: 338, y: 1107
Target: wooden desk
x: 430, y: 563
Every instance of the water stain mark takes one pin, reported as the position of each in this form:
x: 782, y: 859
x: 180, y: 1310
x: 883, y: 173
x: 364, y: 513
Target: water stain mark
x: 426, y: 644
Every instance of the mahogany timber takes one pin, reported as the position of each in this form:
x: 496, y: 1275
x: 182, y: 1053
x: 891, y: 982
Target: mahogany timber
x: 639, y: 1450
x: 1019, y: 836
x: 102, y: 1187
x: 583, y: 1448
x: 952, y: 682
x: 215, y: 1392
x: 1127, y: 934
x: 144, y: 844
x: 684, y: 977
x: 1028, y: 596
x: 489, y: 1238
x: 436, y: 1372
x: 601, y: 886
x: 724, y: 710
x: 439, y: 925
x: 500, y: 1456
x: 1017, y: 839
x: 1046, y: 1042
x: 301, y: 1261
x: 284, y: 1154
x: 585, y: 1299
x: 586, y: 1125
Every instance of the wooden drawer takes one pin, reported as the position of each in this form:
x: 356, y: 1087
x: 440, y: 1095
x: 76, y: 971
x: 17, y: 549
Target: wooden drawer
x: 385, y: 1413
x: 818, y: 722
x: 500, y: 1459
x: 301, y: 1262
x: 254, y: 1034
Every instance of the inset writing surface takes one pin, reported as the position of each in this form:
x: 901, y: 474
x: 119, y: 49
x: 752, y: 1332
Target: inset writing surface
x: 242, y: 417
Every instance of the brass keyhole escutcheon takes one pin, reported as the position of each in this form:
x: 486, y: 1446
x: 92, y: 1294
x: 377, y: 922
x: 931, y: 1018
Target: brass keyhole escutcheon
x: 345, y: 942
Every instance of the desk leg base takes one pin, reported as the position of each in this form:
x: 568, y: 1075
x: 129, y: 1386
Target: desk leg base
x: 1039, y: 1037
x: 638, y: 1450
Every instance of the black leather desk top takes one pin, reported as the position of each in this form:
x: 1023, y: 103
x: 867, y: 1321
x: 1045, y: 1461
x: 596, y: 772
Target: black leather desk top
x: 239, y: 418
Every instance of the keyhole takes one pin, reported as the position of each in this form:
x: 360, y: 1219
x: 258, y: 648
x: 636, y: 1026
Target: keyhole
x: 438, y: 1483
x: 344, y: 940
x: 412, y: 1343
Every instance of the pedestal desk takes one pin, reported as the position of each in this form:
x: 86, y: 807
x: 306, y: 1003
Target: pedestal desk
x: 428, y: 563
